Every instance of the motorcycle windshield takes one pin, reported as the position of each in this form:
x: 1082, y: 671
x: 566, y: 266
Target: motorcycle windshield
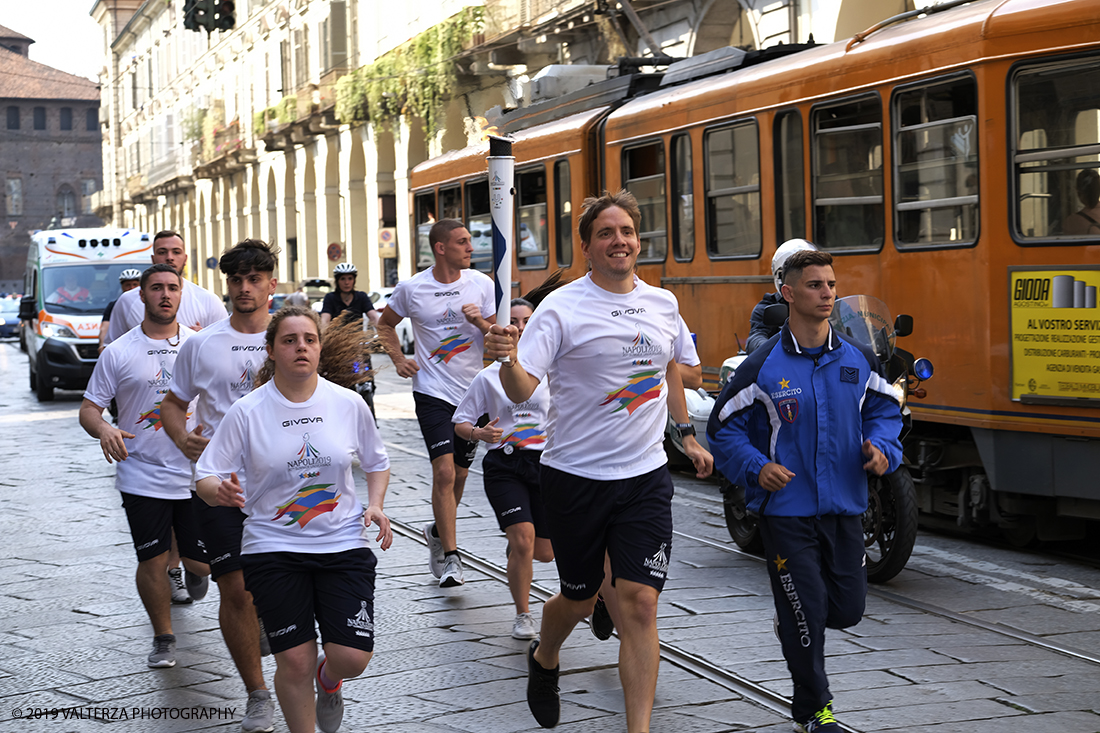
x: 867, y: 320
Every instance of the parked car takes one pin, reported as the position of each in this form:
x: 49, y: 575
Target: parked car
x: 404, y: 329
x: 9, y: 318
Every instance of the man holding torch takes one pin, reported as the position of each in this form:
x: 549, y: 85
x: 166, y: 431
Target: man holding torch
x: 607, y: 344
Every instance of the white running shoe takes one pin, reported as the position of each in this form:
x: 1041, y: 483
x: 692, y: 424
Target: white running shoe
x: 524, y: 627
x: 452, y: 572
x: 435, y: 551
x: 179, y: 590
x: 330, y: 705
x: 259, y: 713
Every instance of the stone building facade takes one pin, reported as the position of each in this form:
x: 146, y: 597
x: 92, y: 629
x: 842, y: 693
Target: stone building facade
x: 50, y: 152
x: 247, y: 132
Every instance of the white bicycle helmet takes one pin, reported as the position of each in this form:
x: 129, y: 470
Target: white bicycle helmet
x: 779, y: 259
x: 344, y: 268
x: 130, y: 274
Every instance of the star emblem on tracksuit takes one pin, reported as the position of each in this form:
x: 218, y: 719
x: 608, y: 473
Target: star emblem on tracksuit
x: 780, y: 563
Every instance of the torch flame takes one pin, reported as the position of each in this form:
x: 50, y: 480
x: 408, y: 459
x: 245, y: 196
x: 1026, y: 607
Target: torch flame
x: 480, y: 130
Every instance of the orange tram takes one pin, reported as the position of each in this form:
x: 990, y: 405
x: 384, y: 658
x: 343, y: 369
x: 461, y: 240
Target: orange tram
x: 950, y: 163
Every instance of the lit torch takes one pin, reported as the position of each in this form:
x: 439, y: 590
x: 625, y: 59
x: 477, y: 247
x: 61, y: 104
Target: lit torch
x: 502, y: 206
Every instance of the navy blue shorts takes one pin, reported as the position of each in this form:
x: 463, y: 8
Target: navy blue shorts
x: 222, y: 528
x: 292, y: 589
x: 630, y: 519
x: 151, y: 524
x: 434, y: 416
x: 512, y: 485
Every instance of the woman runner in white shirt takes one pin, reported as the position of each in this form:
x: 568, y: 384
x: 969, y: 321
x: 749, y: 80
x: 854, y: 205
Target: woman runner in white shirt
x: 305, y: 551
x: 516, y: 434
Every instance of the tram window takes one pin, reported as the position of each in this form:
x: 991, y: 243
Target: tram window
x: 480, y: 225
x: 423, y: 219
x: 644, y: 176
x: 532, y: 238
x: 683, y: 200
x: 1057, y: 156
x: 563, y: 214
x: 847, y: 175
x: 733, y: 191
x: 936, y: 165
x: 450, y: 200
x: 790, y: 183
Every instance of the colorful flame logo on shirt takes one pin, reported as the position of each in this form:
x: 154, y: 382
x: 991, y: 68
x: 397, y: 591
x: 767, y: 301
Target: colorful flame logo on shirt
x: 451, y: 346
x: 525, y: 435
x: 309, y: 502
x: 642, y: 387
x: 163, y: 372
x: 152, y: 418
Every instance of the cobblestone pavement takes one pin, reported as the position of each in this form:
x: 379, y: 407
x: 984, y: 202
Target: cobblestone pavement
x: 73, y: 635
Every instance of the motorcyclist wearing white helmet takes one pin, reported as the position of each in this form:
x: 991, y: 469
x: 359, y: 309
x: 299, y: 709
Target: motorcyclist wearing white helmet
x: 128, y: 279
x: 760, y: 333
x: 346, y: 297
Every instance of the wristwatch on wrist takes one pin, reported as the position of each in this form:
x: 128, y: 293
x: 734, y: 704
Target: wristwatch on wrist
x: 684, y: 429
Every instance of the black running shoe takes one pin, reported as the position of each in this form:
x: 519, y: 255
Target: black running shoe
x: 542, y: 690
x: 600, y: 621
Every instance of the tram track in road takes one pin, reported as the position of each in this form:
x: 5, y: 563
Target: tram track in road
x: 930, y: 609
x: 681, y: 658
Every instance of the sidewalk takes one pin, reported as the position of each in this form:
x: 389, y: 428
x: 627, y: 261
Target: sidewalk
x: 74, y: 637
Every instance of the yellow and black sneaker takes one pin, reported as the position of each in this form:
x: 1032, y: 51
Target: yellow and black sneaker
x: 822, y: 721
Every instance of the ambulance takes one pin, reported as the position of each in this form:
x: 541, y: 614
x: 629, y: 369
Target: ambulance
x: 71, y: 276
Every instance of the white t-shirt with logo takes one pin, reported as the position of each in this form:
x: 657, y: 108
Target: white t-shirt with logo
x: 523, y: 423
x: 300, y: 496
x: 198, y: 307
x: 217, y: 368
x: 449, y: 349
x: 135, y: 371
x: 604, y: 356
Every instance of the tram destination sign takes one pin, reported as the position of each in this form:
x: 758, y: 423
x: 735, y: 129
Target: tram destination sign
x: 1055, y: 332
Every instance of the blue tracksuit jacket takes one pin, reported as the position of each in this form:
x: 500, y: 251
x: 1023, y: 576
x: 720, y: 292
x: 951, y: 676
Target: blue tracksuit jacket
x: 810, y: 418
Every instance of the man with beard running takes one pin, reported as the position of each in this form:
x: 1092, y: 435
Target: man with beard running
x: 217, y: 368
x: 198, y: 306
x: 152, y: 476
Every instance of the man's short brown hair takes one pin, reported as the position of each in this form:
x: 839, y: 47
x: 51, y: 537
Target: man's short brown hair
x: 593, y: 206
x: 165, y: 234
x: 441, y: 231
x: 799, y: 261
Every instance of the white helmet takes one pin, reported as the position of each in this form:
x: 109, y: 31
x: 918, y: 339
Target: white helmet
x: 344, y: 268
x: 129, y: 274
x: 785, y: 250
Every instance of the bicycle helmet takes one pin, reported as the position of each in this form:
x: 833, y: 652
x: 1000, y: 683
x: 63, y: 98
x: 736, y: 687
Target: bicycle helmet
x: 779, y: 259
x: 130, y: 274
x: 344, y: 268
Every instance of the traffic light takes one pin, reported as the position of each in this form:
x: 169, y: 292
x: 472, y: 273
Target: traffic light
x: 190, y: 21
x: 224, y: 16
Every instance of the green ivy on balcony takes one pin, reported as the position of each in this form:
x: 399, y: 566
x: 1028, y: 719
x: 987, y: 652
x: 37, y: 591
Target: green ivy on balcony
x: 413, y: 79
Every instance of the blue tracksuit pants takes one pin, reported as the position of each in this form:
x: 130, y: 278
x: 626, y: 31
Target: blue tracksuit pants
x: 819, y: 580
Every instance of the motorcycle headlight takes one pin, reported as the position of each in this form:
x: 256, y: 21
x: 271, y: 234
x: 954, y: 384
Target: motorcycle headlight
x: 56, y: 330
x: 923, y: 369
x: 901, y: 389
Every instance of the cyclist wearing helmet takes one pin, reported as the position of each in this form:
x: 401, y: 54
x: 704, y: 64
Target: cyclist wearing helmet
x: 346, y: 298
x: 129, y: 279
x: 760, y: 333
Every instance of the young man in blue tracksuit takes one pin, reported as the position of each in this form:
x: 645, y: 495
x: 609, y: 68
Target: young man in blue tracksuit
x: 803, y: 419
